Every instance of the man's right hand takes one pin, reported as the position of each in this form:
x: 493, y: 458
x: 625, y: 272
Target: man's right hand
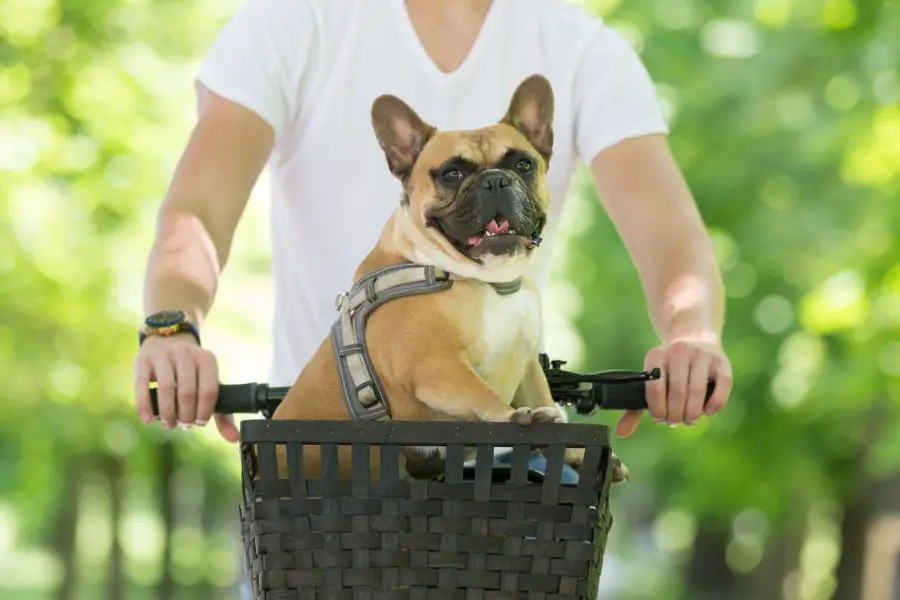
x: 187, y: 380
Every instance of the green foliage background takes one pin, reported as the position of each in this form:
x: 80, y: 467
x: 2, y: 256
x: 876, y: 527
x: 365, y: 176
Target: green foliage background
x: 786, y: 119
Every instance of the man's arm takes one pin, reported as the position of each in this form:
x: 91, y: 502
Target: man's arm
x: 648, y: 200
x: 209, y: 191
x: 212, y: 183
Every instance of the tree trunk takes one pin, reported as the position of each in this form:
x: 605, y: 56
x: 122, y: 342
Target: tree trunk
x: 880, y: 578
x: 116, y: 583
x: 64, y: 539
x: 166, y: 588
x: 866, y: 500
x: 707, y: 575
x: 857, y: 513
x: 781, y: 558
x: 208, y: 521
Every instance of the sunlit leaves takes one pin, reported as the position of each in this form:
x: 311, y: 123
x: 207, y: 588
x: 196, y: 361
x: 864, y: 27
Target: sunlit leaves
x: 841, y: 93
x: 772, y: 13
x: 94, y: 98
x: 800, y: 362
x: 839, y: 303
x: 787, y: 128
x: 730, y: 38
x: 875, y: 159
x: 839, y: 14
x: 15, y: 84
x: 23, y: 22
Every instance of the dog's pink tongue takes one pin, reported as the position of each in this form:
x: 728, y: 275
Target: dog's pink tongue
x: 494, y: 227
x: 475, y: 240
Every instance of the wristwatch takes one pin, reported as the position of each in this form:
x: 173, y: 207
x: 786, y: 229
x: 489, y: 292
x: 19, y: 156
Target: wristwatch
x: 168, y: 322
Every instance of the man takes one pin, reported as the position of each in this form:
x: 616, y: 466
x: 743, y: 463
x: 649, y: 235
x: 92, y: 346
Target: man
x: 291, y: 82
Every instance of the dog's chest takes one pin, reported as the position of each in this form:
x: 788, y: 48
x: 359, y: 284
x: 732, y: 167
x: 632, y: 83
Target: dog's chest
x: 510, y: 330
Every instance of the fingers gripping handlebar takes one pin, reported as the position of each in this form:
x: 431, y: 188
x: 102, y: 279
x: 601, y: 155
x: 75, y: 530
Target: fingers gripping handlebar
x: 607, y: 390
x: 586, y: 392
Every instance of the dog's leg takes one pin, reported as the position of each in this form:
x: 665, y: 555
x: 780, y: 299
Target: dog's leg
x: 534, y: 392
x: 455, y: 389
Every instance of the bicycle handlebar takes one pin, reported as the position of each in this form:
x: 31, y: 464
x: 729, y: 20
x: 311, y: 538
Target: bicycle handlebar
x: 586, y: 392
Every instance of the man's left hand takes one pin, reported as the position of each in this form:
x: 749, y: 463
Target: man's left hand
x: 678, y: 396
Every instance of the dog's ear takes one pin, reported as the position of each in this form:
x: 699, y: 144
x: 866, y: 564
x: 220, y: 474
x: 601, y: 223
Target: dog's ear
x: 531, y: 112
x: 400, y: 132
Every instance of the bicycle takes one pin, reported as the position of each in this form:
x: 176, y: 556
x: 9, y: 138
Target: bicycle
x: 504, y: 526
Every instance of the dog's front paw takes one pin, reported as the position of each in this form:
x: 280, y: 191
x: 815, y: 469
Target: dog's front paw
x: 528, y: 416
x: 521, y: 416
x: 620, y: 473
x: 574, y: 457
x: 547, y: 414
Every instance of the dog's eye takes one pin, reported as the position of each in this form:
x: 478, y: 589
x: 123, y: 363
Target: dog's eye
x: 523, y: 166
x: 453, y: 175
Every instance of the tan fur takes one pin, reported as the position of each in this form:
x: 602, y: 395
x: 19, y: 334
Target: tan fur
x: 429, y: 353
x: 433, y: 353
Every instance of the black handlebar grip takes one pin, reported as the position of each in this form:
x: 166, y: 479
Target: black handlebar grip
x: 238, y: 398
x: 633, y: 395
x: 233, y: 399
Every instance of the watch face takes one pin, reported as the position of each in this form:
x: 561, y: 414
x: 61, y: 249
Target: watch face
x: 166, y: 318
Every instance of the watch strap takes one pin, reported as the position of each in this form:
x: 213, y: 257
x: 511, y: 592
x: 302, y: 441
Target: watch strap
x: 185, y: 326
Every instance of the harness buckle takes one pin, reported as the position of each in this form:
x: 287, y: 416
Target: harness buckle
x: 341, y: 301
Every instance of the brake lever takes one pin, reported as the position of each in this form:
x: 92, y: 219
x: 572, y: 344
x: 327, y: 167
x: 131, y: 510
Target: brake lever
x: 566, y: 387
x: 554, y: 373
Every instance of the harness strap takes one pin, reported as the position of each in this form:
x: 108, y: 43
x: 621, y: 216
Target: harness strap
x: 363, y: 391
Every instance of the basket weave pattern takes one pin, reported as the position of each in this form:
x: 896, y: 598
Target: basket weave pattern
x: 390, y: 538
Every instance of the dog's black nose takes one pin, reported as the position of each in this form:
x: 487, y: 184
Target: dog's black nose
x: 494, y: 179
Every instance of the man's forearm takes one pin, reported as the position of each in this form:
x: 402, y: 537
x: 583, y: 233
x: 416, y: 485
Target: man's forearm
x: 651, y: 205
x: 653, y: 209
x: 183, y: 269
x: 685, y: 296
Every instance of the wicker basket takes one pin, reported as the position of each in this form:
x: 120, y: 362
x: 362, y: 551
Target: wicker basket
x: 479, y: 534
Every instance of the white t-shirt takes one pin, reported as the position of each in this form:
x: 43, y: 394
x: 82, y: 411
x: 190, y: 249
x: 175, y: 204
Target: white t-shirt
x: 311, y: 69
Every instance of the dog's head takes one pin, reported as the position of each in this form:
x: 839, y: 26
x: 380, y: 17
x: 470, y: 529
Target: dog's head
x: 478, y: 199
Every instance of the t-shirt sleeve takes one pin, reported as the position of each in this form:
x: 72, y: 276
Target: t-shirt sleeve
x: 615, y: 96
x: 259, y: 57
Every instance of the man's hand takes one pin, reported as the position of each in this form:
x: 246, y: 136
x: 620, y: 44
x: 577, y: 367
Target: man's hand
x: 647, y: 197
x: 187, y: 379
x: 678, y: 396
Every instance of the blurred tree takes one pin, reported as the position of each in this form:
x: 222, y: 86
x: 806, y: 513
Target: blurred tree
x: 89, y: 132
x: 785, y: 119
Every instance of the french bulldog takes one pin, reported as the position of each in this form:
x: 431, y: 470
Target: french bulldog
x: 474, y: 205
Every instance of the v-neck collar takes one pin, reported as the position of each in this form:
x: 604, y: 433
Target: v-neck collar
x: 492, y: 21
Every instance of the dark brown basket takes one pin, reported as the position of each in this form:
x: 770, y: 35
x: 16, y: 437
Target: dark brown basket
x: 495, y: 536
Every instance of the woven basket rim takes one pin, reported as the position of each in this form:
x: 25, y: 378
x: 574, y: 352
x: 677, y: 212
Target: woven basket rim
x: 431, y: 433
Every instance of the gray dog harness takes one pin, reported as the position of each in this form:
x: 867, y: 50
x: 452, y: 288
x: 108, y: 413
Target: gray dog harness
x: 363, y: 391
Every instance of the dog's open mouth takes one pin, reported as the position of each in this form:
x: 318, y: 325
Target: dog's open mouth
x: 498, y: 238
x: 497, y: 231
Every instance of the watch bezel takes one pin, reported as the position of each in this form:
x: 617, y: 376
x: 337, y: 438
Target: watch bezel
x: 165, y: 318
